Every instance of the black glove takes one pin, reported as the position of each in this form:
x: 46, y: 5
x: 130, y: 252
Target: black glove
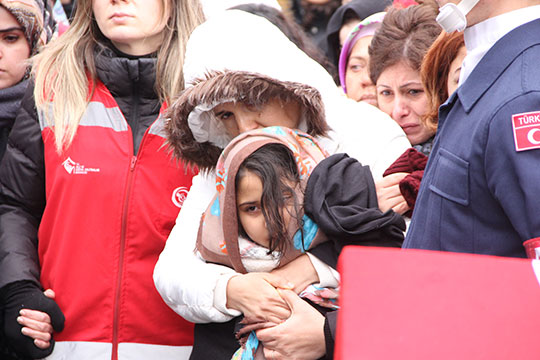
x: 27, y: 295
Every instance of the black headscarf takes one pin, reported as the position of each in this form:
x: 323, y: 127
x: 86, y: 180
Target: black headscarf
x: 359, y: 8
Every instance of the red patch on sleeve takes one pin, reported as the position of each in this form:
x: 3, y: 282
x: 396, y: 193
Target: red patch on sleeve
x: 526, y: 130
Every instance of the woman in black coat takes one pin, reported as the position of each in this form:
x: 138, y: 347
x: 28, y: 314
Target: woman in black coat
x: 21, y: 35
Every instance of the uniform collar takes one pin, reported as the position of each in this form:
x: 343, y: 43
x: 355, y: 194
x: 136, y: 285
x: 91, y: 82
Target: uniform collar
x: 482, y: 36
x: 496, y: 61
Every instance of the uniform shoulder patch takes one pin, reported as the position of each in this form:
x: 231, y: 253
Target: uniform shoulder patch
x: 526, y: 130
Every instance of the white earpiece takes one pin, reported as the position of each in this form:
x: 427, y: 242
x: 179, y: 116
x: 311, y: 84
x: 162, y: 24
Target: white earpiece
x: 453, y: 17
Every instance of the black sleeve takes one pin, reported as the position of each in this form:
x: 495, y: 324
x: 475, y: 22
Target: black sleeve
x: 327, y: 252
x: 340, y: 198
x: 330, y: 323
x: 22, y: 196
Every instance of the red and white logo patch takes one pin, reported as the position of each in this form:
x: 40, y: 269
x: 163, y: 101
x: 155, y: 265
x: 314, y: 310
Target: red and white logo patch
x: 179, y: 195
x: 526, y: 130
x: 74, y: 168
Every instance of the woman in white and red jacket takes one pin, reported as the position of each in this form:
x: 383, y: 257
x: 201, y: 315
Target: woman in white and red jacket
x: 88, y: 192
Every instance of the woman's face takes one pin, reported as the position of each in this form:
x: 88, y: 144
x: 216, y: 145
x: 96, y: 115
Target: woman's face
x: 455, y: 70
x: 14, y: 50
x: 135, y: 27
x: 357, y: 81
x: 239, y: 118
x: 248, y: 203
x: 401, y: 95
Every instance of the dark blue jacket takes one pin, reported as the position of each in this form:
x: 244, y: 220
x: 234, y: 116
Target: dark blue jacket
x: 479, y: 194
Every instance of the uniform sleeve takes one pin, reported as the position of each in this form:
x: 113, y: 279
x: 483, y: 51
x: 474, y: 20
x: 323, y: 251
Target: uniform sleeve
x: 513, y: 175
x: 22, y: 196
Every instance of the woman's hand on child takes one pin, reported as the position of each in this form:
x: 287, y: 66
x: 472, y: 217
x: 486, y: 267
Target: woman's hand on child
x: 388, y: 194
x: 255, y: 295
x: 301, y: 336
x: 299, y: 272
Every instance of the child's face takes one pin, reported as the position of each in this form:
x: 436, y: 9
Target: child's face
x: 238, y: 118
x: 248, y: 202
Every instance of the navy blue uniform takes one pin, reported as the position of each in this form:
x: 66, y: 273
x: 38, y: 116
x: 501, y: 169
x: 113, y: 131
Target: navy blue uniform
x: 481, y: 189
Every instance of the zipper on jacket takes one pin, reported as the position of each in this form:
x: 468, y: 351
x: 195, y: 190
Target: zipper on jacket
x: 135, y: 119
x: 118, y: 289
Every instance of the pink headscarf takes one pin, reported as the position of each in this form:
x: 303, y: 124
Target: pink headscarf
x: 366, y: 27
x: 217, y: 240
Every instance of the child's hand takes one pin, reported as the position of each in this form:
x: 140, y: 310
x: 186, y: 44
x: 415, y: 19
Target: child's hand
x: 255, y: 295
x: 299, y: 272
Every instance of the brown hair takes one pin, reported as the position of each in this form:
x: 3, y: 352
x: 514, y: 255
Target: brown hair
x: 308, y: 14
x: 434, y: 72
x: 404, y: 35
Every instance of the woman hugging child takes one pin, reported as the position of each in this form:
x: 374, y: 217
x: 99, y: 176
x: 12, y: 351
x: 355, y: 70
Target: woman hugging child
x: 257, y: 221
x: 272, y: 206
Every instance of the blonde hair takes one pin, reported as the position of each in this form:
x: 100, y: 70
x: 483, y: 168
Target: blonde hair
x: 65, y: 68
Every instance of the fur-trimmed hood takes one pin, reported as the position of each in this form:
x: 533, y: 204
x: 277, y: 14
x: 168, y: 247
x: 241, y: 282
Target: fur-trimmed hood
x: 191, y: 123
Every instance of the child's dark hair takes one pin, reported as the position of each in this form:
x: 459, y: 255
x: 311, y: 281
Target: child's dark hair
x: 275, y: 165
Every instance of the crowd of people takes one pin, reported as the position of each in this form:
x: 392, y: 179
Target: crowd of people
x: 179, y: 177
